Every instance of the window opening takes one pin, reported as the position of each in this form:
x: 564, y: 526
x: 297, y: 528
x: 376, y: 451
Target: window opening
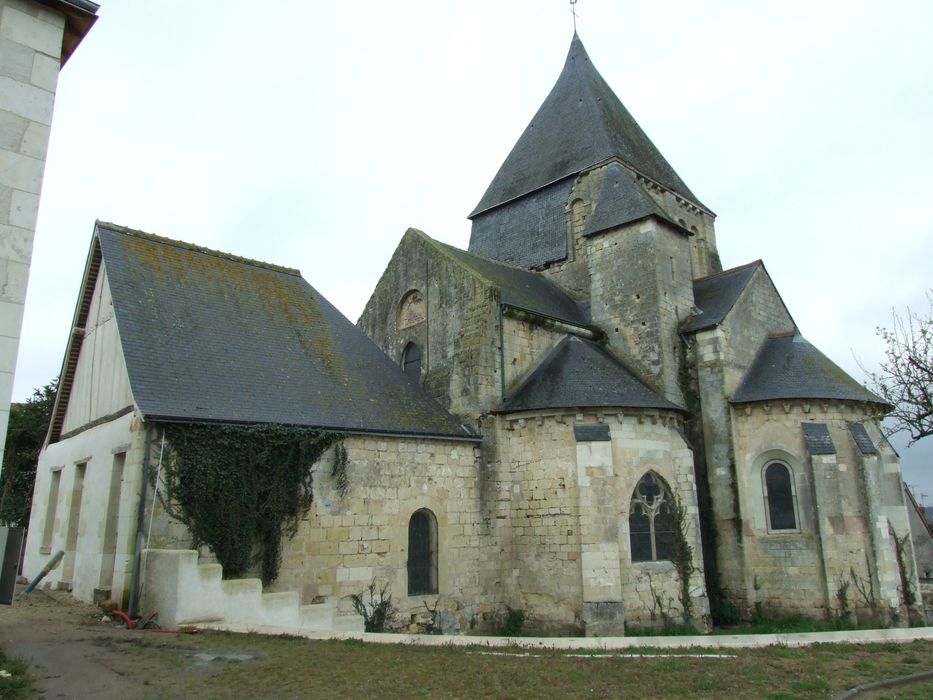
x: 50, y: 511
x: 411, y: 361
x: 651, y: 523
x: 74, y: 520
x: 780, y: 497
x: 108, y: 561
x: 422, y: 553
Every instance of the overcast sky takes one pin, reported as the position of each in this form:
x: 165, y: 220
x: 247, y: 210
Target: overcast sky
x: 312, y: 134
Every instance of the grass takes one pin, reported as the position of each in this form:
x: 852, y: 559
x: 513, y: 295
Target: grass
x: 19, y: 684
x: 282, y: 667
x: 169, y: 666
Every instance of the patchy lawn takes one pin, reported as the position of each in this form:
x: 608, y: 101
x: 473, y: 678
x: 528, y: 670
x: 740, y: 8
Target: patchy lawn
x: 74, y: 653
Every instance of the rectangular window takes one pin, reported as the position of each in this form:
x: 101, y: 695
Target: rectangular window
x: 50, y: 512
x: 74, y: 522
x: 112, y: 521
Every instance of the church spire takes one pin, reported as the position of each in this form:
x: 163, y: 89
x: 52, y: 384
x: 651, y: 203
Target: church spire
x: 580, y: 124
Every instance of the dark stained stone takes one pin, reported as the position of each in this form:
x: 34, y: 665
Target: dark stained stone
x: 520, y: 289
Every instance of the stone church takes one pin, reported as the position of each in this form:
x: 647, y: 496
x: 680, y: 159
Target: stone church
x: 582, y: 417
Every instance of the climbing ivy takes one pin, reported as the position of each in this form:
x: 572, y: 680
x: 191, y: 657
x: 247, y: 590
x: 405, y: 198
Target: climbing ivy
x: 682, y: 555
x: 241, y: 489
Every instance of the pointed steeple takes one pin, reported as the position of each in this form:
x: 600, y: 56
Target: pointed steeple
x: 580, y: 124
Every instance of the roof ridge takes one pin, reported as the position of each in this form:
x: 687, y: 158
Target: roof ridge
x: 155, y: 238
x: 753, y: 263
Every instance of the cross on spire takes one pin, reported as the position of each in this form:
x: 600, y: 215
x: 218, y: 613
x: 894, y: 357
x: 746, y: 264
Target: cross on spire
x: 574, y: 13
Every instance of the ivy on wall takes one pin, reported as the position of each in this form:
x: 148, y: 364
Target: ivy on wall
x: 241, y: 489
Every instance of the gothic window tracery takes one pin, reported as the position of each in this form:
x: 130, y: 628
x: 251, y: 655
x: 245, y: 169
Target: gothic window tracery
x: 651, y: 523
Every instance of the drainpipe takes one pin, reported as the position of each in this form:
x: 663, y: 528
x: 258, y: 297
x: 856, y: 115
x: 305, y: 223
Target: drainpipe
x: 140, y: 526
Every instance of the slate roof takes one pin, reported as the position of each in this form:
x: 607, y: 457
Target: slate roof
x: 578, y: 373
x: 581, y: 123
x: 210, y: 337
x: 789, y: 367
x: 818, y: 439
x: 622, y: 200
x: 519, y: 288
x: 715, y: 295
x: 862, y: 439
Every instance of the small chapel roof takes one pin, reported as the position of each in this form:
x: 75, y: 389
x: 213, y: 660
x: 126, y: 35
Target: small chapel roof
x: 789, y: 367
x: 580, y: 374
x: 521, y: 289
x: 210, y: 337
x: 581, y: 123
x: 715, y: 295
x: 622, y: 200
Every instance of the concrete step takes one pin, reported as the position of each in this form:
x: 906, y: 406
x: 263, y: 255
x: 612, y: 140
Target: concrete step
x: 318, y: 617
x: 281, y: 609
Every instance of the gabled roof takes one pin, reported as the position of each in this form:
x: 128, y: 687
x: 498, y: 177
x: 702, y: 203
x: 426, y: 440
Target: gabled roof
x: 518, y: 288
x: 716, y: 294
x: 622, y: 200
x: 581, y: 123
x: 578, y: 373
x: 210, y: 337
x: 789, y: 367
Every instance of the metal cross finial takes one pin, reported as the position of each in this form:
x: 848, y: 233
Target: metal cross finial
x: 574, y: 13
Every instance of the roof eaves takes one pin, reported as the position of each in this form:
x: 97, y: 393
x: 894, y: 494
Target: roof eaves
x: 663, y: 218
x: 92, y: 269
x: 466, y: 436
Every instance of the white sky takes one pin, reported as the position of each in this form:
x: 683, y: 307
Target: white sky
x: 312, y: 134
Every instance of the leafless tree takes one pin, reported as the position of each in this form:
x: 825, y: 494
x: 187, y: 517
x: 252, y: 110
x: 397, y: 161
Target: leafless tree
x: 905, y: 377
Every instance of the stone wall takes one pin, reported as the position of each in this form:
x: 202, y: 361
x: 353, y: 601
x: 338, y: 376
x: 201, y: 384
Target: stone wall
x: 353, y: 538
x: 459, y: 336
x: 849, y: 505
x: 525, y: 344
x: 561, y: 510
x: 30, y: 50
x: 642, y: 290
x: 721, y: 357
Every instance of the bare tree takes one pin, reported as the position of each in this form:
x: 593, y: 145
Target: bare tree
x: 905, y: 377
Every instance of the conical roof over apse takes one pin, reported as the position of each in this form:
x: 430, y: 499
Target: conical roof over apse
x: 580, y: 124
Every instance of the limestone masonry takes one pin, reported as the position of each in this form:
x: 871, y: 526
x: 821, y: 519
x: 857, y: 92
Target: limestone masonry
x: 582, y: 418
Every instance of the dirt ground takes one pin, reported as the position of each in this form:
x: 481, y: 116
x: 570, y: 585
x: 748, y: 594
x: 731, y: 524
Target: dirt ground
x: 73, y: 653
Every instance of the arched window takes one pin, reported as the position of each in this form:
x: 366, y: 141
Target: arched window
x: 422, y: 553
x: 651, y: 524
x: 780, y: 497
x: 411, y: 361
